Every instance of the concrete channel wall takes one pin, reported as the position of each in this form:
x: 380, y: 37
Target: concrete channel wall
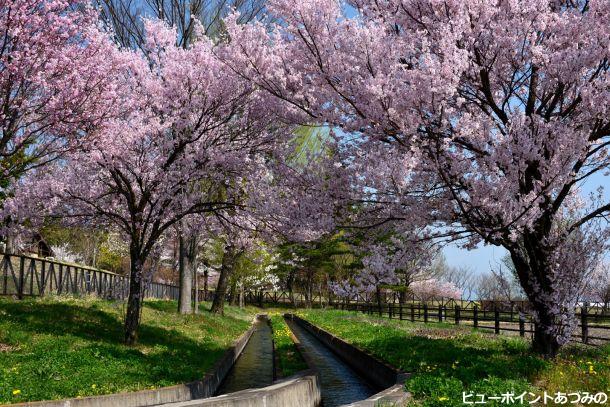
x: 300, y: 390
x: 379, y: 374
x: 205, y: 387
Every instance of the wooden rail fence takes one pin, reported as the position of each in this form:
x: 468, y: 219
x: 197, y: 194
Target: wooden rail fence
x: 24, y: 276
x: 593, y: 327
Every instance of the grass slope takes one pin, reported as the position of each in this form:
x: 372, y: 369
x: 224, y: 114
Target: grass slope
x: 61, y: 347
x: 446, y: 360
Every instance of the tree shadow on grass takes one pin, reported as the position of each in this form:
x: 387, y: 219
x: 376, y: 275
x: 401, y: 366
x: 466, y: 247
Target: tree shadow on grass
x: 164, y: 355
x: 163, y: 306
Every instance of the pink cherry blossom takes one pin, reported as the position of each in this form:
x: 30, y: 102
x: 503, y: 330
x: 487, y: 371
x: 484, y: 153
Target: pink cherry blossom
x: 475, y: 121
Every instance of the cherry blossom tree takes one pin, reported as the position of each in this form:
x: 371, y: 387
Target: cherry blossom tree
x: 431, y: 289
x: 598, y: 286
x: 190, y: 19
x: 57, y: 70
x: 486, y: 116
x: 238, y: 234
x: 187, y: 138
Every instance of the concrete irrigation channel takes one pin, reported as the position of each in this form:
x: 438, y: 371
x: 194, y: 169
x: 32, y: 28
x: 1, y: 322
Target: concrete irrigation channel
x: 254, y: 367
x: 349, y: 376
x: 338, y: 374
x: 340, y: 384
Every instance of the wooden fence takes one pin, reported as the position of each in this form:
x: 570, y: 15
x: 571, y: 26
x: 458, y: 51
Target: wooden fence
x: 593, y: 327
x: 24, y: 276
x: 512, y: 317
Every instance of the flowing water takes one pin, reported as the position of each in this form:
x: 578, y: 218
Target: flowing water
x: 254, y: 367
x: 340, y: 384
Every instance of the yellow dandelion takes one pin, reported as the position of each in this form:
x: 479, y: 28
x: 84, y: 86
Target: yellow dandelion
x: 93, y: 386
x: 16, y: 392
x: 443, y: 398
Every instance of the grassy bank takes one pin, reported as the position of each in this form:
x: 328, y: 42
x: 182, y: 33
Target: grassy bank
x: 62, y: 347
x: 446, y: 360
x: 289, y: 359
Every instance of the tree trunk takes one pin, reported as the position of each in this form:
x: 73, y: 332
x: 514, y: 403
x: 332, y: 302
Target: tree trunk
x: 241, y: 296
x: 378, y: 298
x: 187, y: 266
x: 226, y: 269
x: 308, y: 290
x: 134, y: 300
x: 186, y: 277
x: 289, y: 286
x: 545, y: 343
x: 233, y: 294
x: 206, y: 274
x: 196, y: 283
x: 11, y: 244
x: 553, y: 322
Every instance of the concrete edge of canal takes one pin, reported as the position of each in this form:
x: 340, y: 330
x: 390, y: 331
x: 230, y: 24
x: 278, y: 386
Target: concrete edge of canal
x: 302, y: 389
x: 206, y: 387
x: 378, y: 373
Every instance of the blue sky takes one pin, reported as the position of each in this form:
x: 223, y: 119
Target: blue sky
x: 479, y: 260
x: 483, y: 258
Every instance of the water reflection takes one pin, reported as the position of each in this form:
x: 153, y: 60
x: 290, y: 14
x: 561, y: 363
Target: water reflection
x: 254, y: 367
x: 340, y: 384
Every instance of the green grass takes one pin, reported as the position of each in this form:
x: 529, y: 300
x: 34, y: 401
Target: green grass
x: 289, y: 359
x: 62, y: 347
x: 446, y: 360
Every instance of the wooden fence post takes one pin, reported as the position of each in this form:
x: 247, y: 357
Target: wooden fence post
x: 426, y: 313
x: 400, y: 311
x: 21, y: 278
x: 390, y: 310
x: 440, y: 313
x: 475, y: 316
x: 583, y: 322
x: 457, y: 314
x: 412, y: 312
x: 496, y: 321
x: 521, y: 324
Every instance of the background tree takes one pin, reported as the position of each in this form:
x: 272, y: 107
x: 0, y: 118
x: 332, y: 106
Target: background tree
x: 463, y: 278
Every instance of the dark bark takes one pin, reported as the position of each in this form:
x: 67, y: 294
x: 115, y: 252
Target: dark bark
x: 226, y: 269
x: 545, y: 343
x: 205, y: 283
x: 378, y: 298
x: 134, y: 300
x: 308, y: 290
x: 530, y: 260
x: 233, y: 294
x: 289, y: 286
